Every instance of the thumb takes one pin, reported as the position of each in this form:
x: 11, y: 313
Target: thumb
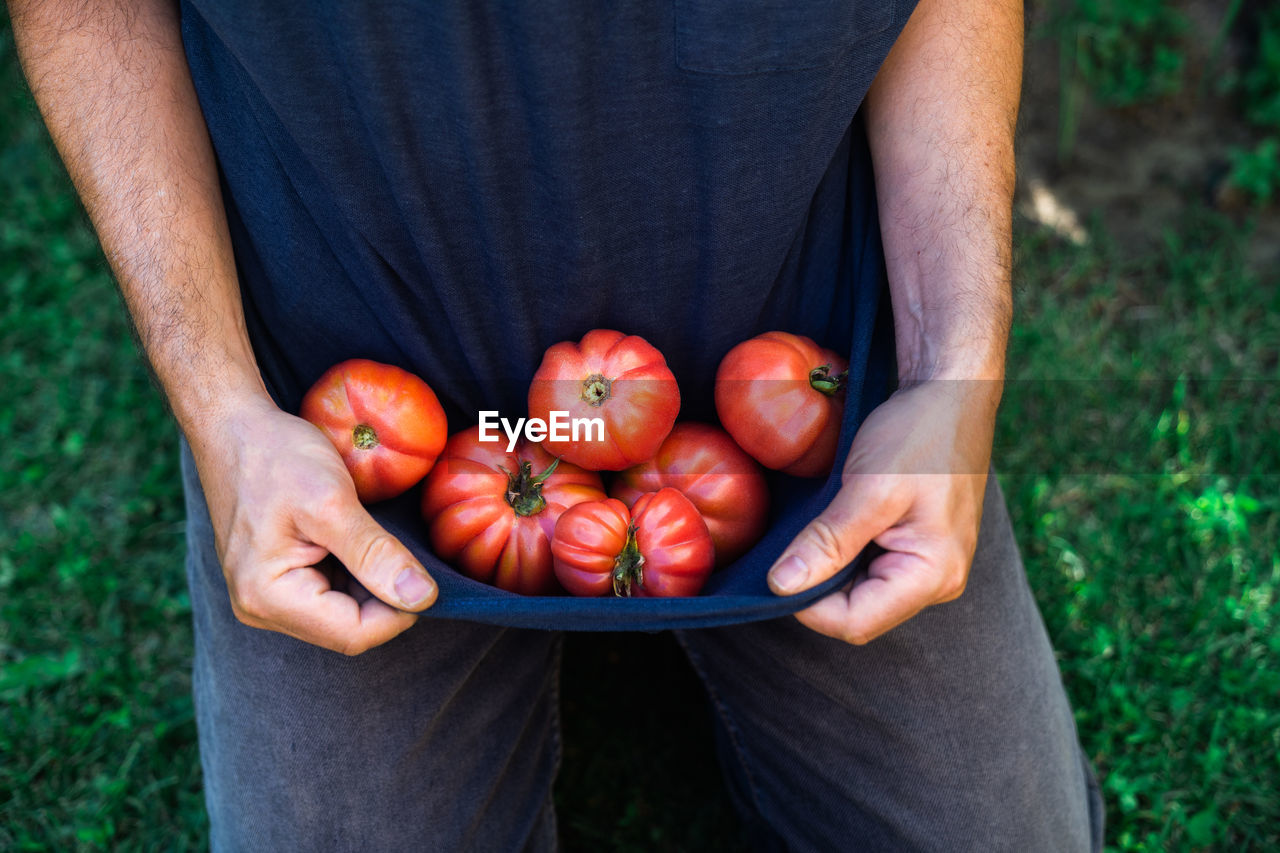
x: 856, y: 515
x: 379, y: 561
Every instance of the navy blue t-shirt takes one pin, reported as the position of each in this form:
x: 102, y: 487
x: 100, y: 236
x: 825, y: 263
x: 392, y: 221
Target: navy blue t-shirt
x: 453, y: 186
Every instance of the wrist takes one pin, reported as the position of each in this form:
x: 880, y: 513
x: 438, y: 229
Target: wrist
x: 980, y: 360
x: 951, y: 326
x: 218, y: 413
x: 971, y: 374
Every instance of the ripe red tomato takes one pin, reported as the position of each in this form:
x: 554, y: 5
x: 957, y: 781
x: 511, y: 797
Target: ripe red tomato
x: 659, y: 549
x: 491, y: 513
x: 722, y: 481
x: 620, y: 379
x: 386, y: 423
x: 781, y: 397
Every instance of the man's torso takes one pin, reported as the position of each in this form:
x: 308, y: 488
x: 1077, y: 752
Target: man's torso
x: 453, y: 187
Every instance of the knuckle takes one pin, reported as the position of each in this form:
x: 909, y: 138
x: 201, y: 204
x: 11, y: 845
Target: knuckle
x: 881, y: 483
x: 855, y: 636
x: 247, y: 603
x: 826, y: 539
x: 330, y: 502
x: 355, y: 646
x: 875, y: 487
x: 953, y: 586
x: 374, y: 551
x: 242, y: 615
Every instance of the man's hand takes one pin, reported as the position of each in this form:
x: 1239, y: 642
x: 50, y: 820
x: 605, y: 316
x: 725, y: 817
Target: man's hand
x: 281, y: 501
x: 112, y: 82
x: 940, y: 118
x: 913, y: 484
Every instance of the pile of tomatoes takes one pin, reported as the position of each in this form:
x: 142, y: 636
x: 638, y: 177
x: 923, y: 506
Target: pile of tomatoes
x: 536, y: 519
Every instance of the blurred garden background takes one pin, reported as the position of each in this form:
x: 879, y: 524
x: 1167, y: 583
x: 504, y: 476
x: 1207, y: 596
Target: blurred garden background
x: 1138, y: 448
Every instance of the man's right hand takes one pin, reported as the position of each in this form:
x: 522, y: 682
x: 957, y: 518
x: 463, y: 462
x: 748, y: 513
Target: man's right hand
x: 281, y: 501
x: 112, y: 82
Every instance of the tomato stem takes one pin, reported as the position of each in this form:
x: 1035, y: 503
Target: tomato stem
x: 596, y: 388
x: 364, y: 437
x: 628, y: 566
x: 524, y: 490
x: 820, y: 379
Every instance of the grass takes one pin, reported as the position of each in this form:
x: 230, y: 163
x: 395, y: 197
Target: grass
x: 1125, y: 51
x: 1141, y: 461
x: 1256, y: 170
x: 1137, y: 447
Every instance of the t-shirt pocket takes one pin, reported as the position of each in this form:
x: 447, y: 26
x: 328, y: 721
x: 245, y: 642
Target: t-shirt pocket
x: 753, y: 36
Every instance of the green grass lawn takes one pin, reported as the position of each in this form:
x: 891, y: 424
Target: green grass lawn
x: 1137, y: 447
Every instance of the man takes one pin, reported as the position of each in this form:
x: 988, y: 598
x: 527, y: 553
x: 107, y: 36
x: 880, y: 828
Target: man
x: 453, y: 188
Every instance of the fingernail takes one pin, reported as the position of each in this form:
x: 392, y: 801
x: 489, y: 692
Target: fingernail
x: 789, y: 575
x: 414, y: 587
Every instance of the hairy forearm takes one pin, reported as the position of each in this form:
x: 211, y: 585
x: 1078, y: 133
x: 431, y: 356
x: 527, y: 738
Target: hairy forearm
x: 112, y: 83
x: 940, y: 120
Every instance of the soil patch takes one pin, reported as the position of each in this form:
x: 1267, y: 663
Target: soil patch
x: 1137, y: 170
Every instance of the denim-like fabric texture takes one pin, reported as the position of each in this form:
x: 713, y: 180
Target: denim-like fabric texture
x: 452, y: 187
x: 951, y: 733
x: 444, y: 739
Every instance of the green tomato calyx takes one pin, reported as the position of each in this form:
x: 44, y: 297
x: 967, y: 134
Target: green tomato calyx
x: 596, y: 389
x: 364, y: 437
x: 821, y: 380
x: 628, y: 566
x: 524, y: 490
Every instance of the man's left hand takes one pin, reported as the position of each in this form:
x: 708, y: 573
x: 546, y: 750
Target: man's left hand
x: 913, y: 484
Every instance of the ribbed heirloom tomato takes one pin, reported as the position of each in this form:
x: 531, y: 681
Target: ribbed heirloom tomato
x: 386, y: 423
x: 781, y: 397
x: 622, y: 380
x: 660, y: 548
x: 491, y: 513
x: 704, y: 464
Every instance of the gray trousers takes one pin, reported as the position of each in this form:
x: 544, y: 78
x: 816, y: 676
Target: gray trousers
x: 950, y: 733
